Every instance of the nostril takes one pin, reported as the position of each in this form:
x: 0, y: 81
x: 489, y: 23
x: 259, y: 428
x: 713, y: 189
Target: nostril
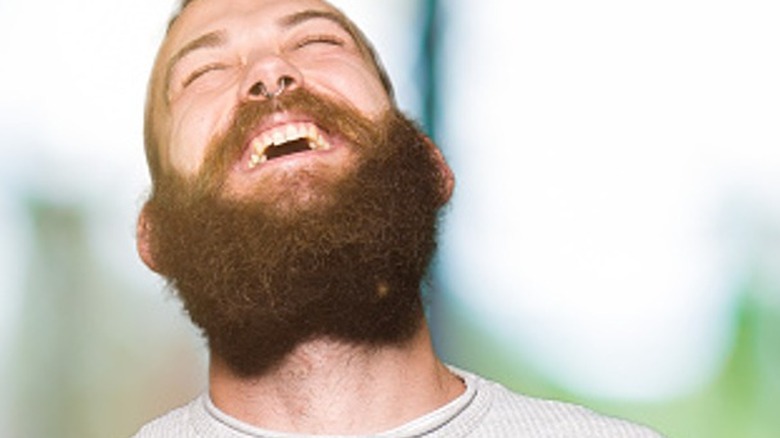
x: 285, y: 81
x: 258, y: 89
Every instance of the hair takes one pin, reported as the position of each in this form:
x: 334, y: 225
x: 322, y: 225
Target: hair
x: 151, y: 142
x: 319, y: 255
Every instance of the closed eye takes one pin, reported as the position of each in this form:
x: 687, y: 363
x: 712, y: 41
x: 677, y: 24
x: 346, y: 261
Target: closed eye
x: 195, y: 75
x: 331, y: 40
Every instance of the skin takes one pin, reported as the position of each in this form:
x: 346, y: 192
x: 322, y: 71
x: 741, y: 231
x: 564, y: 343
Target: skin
x: 321, y: 385
x: 256, y: 47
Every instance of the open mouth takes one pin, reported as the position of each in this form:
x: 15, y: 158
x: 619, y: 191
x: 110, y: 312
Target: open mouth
x: 286, y: 140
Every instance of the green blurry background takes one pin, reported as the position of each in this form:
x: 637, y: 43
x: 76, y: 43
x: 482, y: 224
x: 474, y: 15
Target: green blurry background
x: 614, y: 239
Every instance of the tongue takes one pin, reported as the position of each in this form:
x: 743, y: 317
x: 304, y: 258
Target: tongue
x: 289, y: 148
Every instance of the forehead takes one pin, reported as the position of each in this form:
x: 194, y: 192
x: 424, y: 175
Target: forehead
x: 203, y: 16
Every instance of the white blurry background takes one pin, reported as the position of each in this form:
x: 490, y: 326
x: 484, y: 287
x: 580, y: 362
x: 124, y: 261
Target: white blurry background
x: 617, y: 194
x: 612, y: 156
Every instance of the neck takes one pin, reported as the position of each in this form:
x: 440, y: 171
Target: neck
x: 332, y: 388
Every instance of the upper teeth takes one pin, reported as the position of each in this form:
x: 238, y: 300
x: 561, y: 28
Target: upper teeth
x: 283, y: 134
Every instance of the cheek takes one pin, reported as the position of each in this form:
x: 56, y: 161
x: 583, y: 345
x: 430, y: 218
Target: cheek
x: 194, y: 125
x: 353, y: 84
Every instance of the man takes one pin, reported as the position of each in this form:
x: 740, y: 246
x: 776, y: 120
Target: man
x: 294, y: 212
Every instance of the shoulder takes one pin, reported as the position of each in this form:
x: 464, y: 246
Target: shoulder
x: 174, y: 424
x: 513, y: 414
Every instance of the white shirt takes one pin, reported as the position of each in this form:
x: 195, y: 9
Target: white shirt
x: 485, y: 410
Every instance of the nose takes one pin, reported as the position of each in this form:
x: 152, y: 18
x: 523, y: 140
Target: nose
x: 269, y: 77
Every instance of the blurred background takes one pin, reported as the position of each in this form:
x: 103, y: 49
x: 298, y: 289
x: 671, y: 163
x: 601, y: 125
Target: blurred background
x: 614, y: 239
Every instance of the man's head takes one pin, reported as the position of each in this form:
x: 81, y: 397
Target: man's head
x: 216, y: 53
x: 291, y: 200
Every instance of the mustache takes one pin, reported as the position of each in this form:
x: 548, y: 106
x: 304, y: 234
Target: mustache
x: 331, y: 116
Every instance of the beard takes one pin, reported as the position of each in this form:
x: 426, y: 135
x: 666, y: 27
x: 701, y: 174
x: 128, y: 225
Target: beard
x: 261, y: 275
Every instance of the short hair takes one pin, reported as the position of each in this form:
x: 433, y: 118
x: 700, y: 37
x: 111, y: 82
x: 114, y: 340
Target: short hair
x: 151, y: 142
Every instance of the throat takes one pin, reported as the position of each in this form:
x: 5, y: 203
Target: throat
x: 320, y: 386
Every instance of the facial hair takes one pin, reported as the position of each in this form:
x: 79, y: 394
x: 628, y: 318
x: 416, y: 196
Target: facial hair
x: 260, y: 279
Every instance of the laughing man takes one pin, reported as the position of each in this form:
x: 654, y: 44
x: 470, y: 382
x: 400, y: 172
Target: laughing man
x: 294, y: 212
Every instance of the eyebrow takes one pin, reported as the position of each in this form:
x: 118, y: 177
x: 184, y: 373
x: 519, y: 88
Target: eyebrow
x: 312, y: 14
x: 211, y: 39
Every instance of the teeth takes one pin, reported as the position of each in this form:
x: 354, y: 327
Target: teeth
x: 291, y: 132
x: 284, y: 134
x: 254, y: 160
x: 279, y: 138
x: 258, y: 146
x: 323, y: 143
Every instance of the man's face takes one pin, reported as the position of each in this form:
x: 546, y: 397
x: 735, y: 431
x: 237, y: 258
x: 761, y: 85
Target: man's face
x: 216, y: 54
x: 271, y: 242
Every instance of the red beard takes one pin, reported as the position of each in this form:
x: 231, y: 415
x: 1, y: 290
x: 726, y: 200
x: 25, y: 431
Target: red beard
x: 259, y: 279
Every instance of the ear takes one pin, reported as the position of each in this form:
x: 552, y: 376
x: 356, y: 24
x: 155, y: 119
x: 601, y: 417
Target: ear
x: 447, y: 177
x: 143, y: 234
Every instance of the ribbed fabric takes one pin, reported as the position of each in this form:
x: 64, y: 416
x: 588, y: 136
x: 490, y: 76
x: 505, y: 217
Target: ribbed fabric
x: 485, y: 410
